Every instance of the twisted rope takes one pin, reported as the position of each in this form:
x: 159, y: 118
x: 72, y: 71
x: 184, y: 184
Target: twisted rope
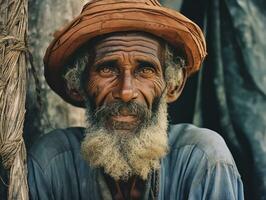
x: 13, y: 74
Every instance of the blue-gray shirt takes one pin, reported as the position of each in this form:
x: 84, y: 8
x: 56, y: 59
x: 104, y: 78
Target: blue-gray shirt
x: 198, y: 166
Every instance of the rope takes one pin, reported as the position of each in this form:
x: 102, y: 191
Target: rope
x: 13, y: 74
x: 8, y: 151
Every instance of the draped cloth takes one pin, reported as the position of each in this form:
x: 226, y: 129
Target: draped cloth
x: 228, y: 95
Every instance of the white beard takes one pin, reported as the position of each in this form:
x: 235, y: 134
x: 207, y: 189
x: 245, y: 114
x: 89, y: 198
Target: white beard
x: 122, y: 157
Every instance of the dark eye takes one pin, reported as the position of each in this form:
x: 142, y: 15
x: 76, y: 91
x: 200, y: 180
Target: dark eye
x: 107, y: 71
x: 146, y: 70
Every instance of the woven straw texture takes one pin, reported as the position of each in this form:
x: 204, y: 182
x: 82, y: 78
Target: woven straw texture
x: 12, y: 95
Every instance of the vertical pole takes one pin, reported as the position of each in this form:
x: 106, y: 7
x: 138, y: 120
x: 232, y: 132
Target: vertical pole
x: 13, y: 51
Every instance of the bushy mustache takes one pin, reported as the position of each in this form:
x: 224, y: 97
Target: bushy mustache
x: 122, y: 108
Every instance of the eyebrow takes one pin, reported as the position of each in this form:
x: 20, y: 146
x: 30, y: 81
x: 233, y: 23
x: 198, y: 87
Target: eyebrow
x: 146, y: 63
x: 152, y: 62
x: 140, y: 59
x: 105, y: 61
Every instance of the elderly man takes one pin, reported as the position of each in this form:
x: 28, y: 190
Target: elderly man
x: 124, y: 61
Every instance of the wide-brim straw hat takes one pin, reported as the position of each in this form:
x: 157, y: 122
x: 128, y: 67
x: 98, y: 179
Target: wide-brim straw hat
x: 100, y: 17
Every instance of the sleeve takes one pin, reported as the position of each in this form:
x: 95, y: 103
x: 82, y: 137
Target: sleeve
x: 201, y: 167
x: 38, y: 181
x: 221, y: 181
x: 192, y: 176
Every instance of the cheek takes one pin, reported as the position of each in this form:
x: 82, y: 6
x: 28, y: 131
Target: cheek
x: 150, y: 89
x: 159, y: 86
x: 100, y: 89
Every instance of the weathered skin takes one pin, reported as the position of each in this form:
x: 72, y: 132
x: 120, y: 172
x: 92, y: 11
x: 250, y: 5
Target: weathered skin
x: 126, y: 67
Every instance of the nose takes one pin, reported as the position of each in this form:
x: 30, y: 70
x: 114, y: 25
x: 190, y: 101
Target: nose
x: 126, y: 90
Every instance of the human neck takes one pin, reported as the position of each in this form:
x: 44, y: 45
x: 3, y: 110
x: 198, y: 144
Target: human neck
x: 133, y: 188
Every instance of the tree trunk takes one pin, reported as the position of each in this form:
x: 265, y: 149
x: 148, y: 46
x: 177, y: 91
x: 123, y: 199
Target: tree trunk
x: 45, y: 109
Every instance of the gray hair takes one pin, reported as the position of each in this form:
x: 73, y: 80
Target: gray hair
x: 173, y: 74
x: 73, y: 73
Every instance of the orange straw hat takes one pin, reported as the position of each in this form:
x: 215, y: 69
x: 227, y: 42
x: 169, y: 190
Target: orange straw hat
x: 100, y: 17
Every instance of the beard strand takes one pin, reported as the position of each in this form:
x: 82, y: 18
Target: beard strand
x: 122, y: 157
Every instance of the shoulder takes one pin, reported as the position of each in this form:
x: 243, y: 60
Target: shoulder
x: 199, y: 163
x: 54, y: 143
x: 210, y: 143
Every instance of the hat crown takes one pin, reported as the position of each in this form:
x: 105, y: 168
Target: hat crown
x: 94, y: 3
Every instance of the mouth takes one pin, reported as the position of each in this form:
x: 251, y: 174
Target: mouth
x: 124, y: 122
x: 124, y: 118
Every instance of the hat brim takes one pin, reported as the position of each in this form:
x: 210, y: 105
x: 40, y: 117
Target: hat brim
x: 162, y: 22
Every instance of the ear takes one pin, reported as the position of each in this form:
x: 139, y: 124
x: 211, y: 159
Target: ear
x: 74, y: 94
x: 174, y: 90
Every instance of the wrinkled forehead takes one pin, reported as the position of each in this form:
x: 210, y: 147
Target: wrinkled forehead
x: 129, y: 42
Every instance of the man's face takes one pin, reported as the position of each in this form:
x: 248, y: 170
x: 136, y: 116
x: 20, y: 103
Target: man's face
x: 126, y: 68
x: 126, y: 106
